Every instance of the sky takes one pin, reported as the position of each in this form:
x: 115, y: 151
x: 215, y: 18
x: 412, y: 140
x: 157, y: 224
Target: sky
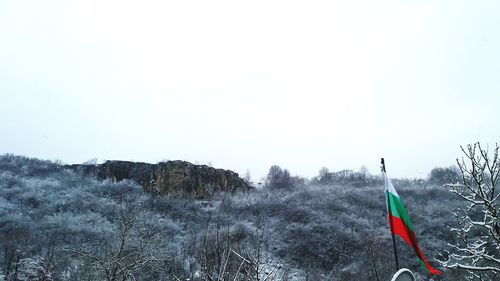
x: 244, y: 85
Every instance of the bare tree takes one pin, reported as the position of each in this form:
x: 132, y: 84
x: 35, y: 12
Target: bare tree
x: 477, y: 246
x: 33, y: 269
x: 261, y: 267
x: 137, y: 246
x: 225, y: 258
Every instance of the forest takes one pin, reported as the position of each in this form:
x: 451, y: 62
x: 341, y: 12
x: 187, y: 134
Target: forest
x: 59, y: 224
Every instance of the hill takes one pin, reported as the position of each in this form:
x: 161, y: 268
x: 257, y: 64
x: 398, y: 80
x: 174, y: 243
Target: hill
x: 60, y: 224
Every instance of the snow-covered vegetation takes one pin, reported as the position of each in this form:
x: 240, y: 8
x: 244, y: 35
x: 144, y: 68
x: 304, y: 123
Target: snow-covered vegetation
x: 477, y: 249
x: 56, y: 224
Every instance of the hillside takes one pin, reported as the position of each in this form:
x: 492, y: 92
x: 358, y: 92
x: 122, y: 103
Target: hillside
x: 58, y: 223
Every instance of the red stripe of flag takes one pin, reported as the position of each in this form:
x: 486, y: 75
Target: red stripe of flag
x: 400, y: 229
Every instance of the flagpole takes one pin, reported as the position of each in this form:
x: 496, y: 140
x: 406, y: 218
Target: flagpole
x: 390, y: 219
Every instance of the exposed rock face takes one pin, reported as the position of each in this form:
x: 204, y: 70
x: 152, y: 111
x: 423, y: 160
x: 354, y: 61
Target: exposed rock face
x: 169, y: 178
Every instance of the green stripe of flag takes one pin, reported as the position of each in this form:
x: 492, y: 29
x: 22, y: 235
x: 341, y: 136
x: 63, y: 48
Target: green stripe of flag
x: 399, y: 210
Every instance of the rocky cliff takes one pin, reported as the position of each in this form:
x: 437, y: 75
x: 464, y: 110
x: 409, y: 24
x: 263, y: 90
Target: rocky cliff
x: 169, y: 178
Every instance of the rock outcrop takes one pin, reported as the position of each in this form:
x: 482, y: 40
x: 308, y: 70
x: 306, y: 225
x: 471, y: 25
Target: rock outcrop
x: 169, y: 178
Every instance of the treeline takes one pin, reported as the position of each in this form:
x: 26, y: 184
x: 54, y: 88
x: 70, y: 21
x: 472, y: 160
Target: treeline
x: 56, y: 224
x: 279, y: 178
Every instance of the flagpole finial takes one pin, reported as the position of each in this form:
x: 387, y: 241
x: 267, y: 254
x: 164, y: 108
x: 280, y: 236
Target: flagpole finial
x: 382, y: 164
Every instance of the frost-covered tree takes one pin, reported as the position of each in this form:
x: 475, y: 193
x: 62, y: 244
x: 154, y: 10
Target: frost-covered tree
x: 477, y: 245
x: 32, y: 269
x: 442, y: 176
x: 138, y: 246
x: 278, y: 178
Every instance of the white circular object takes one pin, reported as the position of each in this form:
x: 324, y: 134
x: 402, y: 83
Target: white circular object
x: 403, y: 275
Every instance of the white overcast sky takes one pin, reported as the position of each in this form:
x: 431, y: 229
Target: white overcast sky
x: 248, y: 84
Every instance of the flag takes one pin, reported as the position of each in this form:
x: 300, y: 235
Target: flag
x: 401, y: 225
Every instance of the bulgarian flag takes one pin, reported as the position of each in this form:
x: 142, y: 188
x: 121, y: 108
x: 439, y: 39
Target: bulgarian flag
x: 401, y: 225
